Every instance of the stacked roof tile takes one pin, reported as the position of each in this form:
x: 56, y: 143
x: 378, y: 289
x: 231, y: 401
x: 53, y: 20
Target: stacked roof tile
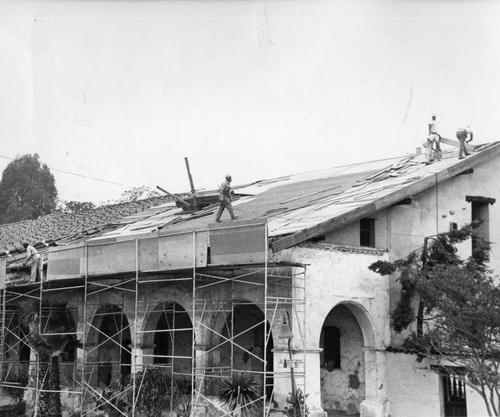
x: 59, y: 225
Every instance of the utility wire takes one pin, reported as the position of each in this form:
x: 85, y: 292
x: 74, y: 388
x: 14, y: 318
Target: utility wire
x: 79, y: 175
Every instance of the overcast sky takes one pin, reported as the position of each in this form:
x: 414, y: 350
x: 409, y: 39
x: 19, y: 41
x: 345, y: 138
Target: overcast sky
x: 123, y: 90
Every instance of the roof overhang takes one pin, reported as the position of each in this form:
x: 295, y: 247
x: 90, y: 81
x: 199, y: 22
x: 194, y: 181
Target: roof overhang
x: 386, y: 201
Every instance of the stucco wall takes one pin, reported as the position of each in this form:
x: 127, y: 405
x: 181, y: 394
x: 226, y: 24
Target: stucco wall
x: 432, y: 212
x: 402, y: 228
x: 399, y: 230
x: 335, y: 276
x: 350, y: 235
x: 412, y: 386
x: 340, y: 277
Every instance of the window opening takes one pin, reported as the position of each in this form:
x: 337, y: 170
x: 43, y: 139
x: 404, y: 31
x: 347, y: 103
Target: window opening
x: 480, y: 211
x: 367, y: 233
x: 455, y: 402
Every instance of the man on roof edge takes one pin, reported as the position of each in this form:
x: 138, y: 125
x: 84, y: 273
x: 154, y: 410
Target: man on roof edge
x: 33, y: 259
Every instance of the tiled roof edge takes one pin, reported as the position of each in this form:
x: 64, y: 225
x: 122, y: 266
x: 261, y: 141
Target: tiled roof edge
x: 344, y: 248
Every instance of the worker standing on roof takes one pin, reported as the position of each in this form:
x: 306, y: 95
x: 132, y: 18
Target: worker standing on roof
x: 464, y: 135
x: 33, y: 259
x: 434, y: 137
x: 225, y: 199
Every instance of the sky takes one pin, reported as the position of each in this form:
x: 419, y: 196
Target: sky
x: 122, y: 91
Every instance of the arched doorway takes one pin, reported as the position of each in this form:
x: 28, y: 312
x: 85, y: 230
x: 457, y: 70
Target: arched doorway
x: 247, y: 328
x: 342, y: 360
x: 114, y: 351
x: 172, y: 338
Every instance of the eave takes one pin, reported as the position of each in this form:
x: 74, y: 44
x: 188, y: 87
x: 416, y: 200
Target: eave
x: 386, y: 201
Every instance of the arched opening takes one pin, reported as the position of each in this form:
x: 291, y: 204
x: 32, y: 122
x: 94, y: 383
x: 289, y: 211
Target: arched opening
x: 248, y: 329
x: 16, y: 353
x: 58, y: 326
x: 172, y: 338
x: 114, y: 352
x: 342, y: 361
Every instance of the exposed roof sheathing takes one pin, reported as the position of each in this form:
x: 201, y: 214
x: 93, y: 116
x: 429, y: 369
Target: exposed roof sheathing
x: 300, y: 207
x: 297, y: 207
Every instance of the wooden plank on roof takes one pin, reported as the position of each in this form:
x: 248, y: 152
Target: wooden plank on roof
x: 456, y: 143
x: 386, y: 201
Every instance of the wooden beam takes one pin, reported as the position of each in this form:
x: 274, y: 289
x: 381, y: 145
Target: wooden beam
x: 191, y: 183
x: 479, y: 199
x: 176, y: 198
x: 367, y: 209
x: 456, y: 143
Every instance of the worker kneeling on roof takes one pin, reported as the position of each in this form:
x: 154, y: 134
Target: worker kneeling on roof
x: 33, y: 259
x: 225, y: 199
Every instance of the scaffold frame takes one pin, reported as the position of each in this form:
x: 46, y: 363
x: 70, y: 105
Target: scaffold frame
x: 222, y: 295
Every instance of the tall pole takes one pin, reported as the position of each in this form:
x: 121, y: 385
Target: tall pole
x: 191, y: 181
x: 292, y: 372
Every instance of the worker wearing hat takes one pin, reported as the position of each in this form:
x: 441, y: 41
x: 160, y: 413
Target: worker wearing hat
x: 225, y: 199
x: 33, y: 259
x: 434, y: 137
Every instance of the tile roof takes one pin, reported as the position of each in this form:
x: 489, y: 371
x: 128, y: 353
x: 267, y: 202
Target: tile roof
x: 59, y: 225
x: 297, y: 207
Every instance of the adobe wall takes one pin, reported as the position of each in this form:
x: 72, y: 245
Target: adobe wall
x: 432, y: 211
x: 338, y: 277
x: 412, y: 386
x: 402, y: 228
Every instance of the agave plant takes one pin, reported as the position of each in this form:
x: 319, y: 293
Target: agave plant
x: 239, y: 393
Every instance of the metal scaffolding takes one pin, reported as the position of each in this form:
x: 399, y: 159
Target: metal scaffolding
x: 200, y: 319
x: 236, y: 310
x: 16, y: 363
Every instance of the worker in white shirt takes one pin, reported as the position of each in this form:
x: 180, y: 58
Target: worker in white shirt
x: 434, y: 137
x: 33, y: 259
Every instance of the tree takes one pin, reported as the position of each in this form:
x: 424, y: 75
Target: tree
x: 49, y: 345
x: 137, y: 193
x: 458, y: 318
x: 75, y: 207
x: 28, y: 190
